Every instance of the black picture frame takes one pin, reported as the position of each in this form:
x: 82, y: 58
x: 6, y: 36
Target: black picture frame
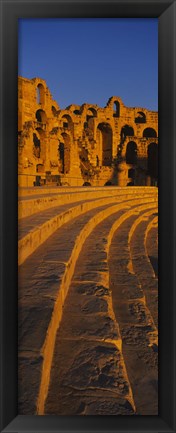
x: 165, y: 10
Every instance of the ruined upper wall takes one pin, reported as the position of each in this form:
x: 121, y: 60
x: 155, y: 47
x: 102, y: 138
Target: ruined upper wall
x: 34, y: 95
x: 84, y: 141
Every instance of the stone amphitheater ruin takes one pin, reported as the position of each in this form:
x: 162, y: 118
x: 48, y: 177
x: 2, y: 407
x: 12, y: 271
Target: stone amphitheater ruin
x: 115, y: 144
x: 88, y: 252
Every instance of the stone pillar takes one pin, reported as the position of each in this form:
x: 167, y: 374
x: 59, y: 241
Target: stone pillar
x: 122, y: 174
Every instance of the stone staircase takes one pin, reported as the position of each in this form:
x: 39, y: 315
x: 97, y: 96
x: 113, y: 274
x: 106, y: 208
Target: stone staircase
x: 88, y: 302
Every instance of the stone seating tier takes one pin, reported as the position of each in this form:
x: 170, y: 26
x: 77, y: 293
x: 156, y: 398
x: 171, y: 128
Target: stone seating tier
x: 88, y: 307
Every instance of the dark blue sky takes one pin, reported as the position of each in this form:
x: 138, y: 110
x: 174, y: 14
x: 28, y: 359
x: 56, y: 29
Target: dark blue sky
x: 89, y: 60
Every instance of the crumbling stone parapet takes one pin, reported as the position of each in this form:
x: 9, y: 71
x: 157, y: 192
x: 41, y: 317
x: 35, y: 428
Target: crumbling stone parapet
x: 87, y: 143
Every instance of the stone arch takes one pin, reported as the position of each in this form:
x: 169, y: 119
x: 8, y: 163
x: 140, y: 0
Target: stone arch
x: 108, y: 183
x: 105, y: 134
x: 67, y: 121
x: 149, y: 132
x: 131, y: 153
x: 41, y: 116
x: 86, y: 183
x: 40, y: 94
x: 112, y: 100
x: 40, y: 168
x: 64, y: 153
x: 91, y: 112
x: 152, y: 161
x: 141, y: 117
x: 126, y: 131
x: 116, y: 108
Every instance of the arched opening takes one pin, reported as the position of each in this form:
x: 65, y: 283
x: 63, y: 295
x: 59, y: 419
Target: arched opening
x: 149, y: 132
x: 108, y: 183
x: 116, y: 109
x: 127, y: 131
x: 86, y: 184
x: 67, y: 122
x: 77, y: 112
x: 152, y: 165
x: 64, y: 153
x: 54, y: 111
x: 91, y: 112
x: 140, y: 118
x: 40, y: 94
x: 105, y: 136
x: 40, y: 168
x: 41, y: 116
x: 36, y: 146
x: 131, y: 153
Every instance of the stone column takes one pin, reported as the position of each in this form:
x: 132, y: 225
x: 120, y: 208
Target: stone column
x: 122, y: 174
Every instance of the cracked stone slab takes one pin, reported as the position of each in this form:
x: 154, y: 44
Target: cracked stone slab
x: 133, y: 312
x: 99, y: 326
x: 44, y: 279
x: 76, y: 404
x: 85, y: 304
x: 93, y: 368
x: 124, y: 292
x: 96, y: 276
x: 86, y: 288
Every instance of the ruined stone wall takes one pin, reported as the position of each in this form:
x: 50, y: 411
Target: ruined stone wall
x: 83, y: 144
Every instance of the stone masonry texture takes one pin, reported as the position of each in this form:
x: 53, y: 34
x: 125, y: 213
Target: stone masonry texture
x: 83, y: 145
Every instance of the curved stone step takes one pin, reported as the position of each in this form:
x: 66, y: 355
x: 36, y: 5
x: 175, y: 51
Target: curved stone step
x: 136, y: 325
x: 40, y: 200
x: 142, y: 267
x: 37, y: 228
x: 39, y: 293
x: 95, y: 368
x: 98, y: 275
x: 151, y: 242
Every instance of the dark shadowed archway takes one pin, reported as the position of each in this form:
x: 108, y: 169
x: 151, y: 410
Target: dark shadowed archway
x: 149, y: 132
x: 64, y: 153
x: 41, y: 116
x: 91, y: 112
x: 131, y: 153
x: 127, y: 131
x: 67, y: 122
x: 116, y: 109
x: 106, y: 140
x: 140, y: 118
